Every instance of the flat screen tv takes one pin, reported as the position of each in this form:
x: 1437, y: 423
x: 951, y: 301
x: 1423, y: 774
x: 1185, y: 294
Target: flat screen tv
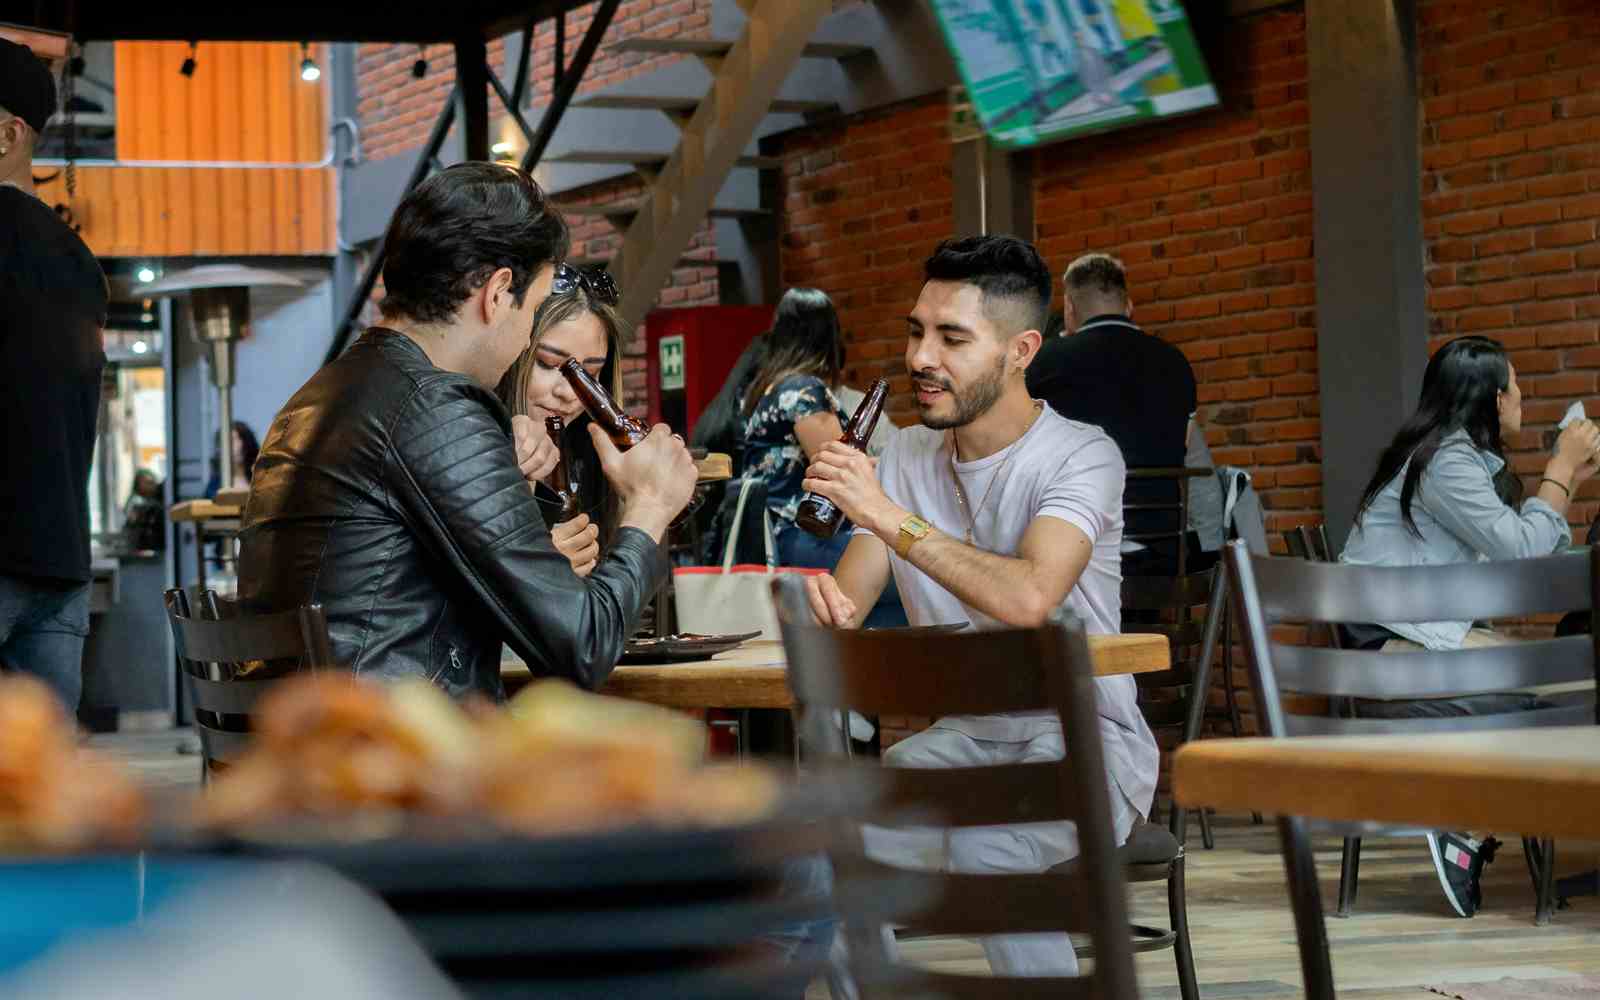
x: 1041, y: 70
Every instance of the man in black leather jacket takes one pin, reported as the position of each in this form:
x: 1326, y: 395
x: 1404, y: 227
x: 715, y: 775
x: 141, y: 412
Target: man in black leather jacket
x: 393, y: 490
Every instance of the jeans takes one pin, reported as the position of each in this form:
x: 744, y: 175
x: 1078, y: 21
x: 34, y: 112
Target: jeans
x: 42, y: 627
x: 798, y: 547
x: 805, y: 880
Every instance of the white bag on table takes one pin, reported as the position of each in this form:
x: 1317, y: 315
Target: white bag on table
x: 727, y: 599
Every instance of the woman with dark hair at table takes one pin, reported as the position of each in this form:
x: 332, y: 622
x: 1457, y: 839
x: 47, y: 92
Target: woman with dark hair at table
x: 245, y: 450
x: 578, y: 320
x: 1443, y: 493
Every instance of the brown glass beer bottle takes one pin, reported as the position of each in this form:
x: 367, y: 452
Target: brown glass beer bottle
x: 561, y: 479
x: 624, y: 430
x: 816, y: 513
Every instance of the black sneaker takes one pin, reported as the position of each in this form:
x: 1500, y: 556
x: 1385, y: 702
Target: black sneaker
x: 1459, y: 860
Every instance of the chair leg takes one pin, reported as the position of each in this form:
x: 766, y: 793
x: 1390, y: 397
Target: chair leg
x: 1305, y: 897
x: 1205, y: 829
x: 1547, y: 872
x: 1349, y: 874
x: 1178, y: 911
x: 1530, y: 854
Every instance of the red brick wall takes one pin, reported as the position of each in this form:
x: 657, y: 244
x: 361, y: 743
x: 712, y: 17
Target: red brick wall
x: 863, y: 202
x: 1511, y: 196
x: 1212, y: 216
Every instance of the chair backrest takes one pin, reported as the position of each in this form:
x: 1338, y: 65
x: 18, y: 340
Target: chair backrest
x: 217, y: 648
x: 1272, y: 590
x: 1141, y: 503
x: 908, y: 673
x: 1166, y: 605
x: 1310, y: 541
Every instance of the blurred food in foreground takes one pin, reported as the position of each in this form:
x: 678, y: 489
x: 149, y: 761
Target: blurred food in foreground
x: 54, y: 794
x: 556, y: 760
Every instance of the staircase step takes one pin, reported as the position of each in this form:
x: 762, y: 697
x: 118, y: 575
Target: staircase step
x: 721, y: 47
x: 687, y: 105
x: 650, y: 159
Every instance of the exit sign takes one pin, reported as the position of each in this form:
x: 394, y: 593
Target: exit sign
x: 671, y: 363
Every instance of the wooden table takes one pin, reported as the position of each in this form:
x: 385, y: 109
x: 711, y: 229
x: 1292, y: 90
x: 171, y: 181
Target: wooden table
x: 1540, y: 782
x: 752, y: 676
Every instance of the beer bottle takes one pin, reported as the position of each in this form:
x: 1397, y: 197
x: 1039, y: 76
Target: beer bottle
x: 816, y: 513
x: 561, y: 479
x: 624, y: 430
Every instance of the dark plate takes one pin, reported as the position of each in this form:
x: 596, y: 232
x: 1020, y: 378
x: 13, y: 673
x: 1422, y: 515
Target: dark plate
x: 674, y: 648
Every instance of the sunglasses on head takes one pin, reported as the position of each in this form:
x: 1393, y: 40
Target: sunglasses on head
x: 599, y: 284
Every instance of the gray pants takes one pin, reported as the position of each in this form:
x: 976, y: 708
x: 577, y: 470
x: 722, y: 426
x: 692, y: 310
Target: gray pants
x: 42, y: 627
x: 1023, y: 848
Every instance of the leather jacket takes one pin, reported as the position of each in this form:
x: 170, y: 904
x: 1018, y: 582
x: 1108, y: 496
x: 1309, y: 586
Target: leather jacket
x: 388, y: 492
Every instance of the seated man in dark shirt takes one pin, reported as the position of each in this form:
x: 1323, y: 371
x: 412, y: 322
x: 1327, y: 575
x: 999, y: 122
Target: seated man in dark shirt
x: 1138, y: 388
x: 394, y: 490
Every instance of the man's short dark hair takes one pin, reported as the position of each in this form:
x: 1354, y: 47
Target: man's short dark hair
x: 1010, y: 273
x: 457, y: 228
x: 1098, y: 274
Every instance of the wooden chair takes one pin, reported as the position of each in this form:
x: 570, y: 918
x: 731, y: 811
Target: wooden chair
x: 1144, y: 480
x: 936, y: 675
x: 1272, y: 590
x: 213, y: 648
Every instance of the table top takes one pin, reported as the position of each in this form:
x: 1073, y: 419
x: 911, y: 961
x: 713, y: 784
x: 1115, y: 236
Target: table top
x: 1540, y: 782
x: 202, y: 510
x: 752, y: 676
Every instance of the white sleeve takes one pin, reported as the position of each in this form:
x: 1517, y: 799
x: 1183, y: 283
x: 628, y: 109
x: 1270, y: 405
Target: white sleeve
x: 1086, y: 489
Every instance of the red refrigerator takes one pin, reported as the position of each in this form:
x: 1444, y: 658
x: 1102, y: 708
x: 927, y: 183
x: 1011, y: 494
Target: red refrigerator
x: 688, y: 354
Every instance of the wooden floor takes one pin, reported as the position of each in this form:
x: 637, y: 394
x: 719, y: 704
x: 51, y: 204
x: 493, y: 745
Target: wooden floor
x: 1402, y: 937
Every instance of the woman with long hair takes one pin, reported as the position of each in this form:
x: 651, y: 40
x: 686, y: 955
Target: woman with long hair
x: 245, y: 450
x: 578, y: 320
x: 790, y: 411
x: 1442, y: 494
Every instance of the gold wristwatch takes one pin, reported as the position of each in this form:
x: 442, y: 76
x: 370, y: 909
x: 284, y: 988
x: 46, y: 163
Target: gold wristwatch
x: 912, y: 530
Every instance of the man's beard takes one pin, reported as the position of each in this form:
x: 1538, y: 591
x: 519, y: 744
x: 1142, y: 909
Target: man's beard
x: 971, y: 403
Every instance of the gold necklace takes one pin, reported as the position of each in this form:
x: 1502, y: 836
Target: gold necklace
x: 961, y: 493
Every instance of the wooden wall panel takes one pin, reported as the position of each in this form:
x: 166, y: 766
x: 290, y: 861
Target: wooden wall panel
x: 181, y: 211
x: 245, y: 101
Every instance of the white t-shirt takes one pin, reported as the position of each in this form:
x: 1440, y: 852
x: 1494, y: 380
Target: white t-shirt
x: 1059, y: 468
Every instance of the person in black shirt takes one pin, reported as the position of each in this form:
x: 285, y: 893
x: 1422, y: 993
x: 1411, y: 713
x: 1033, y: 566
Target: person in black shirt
x: 52, y: 308
x: 1138, y: 388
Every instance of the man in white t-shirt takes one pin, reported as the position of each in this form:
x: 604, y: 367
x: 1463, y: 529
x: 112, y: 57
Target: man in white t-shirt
x: 995, y: 511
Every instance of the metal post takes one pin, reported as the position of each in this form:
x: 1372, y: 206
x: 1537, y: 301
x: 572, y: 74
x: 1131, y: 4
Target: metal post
x: 519, y: 87
x: 472, y: 87
x: 569, y: 79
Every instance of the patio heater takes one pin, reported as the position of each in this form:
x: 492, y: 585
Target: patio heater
x: 219, y: 308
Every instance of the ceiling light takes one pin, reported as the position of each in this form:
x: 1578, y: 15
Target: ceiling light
x: 419, y: 69
x: 500, y: 148
x: 309, y: 70
x: 139, y: 347
x: 146, y: 275
x: 187, y: 69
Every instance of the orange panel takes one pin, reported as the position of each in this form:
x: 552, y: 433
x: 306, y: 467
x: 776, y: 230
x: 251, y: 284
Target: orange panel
x: 152, y: 211
x: 285, y: 211
x: 223, y: 59
x: 126, y: 55
x: 314, y: 186
x: 92, y: 207
x: 201, y: 116
x: 250, y: 118
x: 281, y: 61
x: 207, y: 211
x: 176, y: 95
x: 256, y: 213
x: 179, y: 211
x: 234, y: 211
x: 125, y: 237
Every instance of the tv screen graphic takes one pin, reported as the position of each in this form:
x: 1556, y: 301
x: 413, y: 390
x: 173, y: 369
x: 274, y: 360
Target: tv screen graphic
x: 1038, y: 71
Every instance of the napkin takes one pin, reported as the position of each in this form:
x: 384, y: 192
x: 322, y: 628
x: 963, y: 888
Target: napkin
x: 1574, y: 413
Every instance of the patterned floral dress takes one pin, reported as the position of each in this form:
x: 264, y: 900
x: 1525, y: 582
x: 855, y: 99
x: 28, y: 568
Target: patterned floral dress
x: 772, y: 453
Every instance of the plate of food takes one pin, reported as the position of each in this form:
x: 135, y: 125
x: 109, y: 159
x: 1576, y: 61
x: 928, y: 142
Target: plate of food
x: 682, y: 646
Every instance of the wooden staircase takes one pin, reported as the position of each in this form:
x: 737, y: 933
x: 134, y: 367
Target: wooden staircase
x: 715, y: 130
